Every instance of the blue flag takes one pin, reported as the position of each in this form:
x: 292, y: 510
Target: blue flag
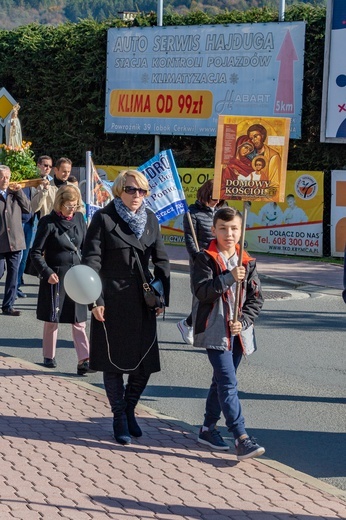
x: 167, y: 198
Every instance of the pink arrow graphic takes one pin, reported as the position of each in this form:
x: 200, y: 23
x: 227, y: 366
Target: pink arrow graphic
x: 284, y: 100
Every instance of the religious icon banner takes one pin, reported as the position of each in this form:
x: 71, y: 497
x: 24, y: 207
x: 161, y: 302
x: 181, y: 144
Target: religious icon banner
x: 251, y: 158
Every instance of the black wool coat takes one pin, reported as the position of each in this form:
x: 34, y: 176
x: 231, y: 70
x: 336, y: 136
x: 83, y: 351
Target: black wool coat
x: 127, y: 339
x: 52, y: 252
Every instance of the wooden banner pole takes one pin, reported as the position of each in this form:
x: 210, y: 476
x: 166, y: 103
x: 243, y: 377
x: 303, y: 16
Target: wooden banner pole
x: 240, y: 261
x: 192, y: 229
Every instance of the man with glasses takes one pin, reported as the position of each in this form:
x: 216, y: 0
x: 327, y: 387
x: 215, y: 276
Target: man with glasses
x: 44, y: 165
x: 43, y: 200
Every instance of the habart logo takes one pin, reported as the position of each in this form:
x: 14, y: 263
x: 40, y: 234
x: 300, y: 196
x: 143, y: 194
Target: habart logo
x: 306, y: 187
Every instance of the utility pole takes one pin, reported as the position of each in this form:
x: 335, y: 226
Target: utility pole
x: 282, y: 8
x: 159, y: 24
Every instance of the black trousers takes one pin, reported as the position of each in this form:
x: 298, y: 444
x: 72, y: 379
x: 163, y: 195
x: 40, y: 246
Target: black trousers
x: 12, y: 260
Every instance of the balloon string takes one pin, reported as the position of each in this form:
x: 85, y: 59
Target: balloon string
x: 109, y: 353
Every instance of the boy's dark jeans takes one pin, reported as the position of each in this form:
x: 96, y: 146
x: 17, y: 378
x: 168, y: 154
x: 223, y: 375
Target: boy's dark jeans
x: 223, y: 392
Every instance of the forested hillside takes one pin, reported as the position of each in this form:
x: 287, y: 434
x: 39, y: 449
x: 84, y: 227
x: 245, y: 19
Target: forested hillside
x: 15, y: 13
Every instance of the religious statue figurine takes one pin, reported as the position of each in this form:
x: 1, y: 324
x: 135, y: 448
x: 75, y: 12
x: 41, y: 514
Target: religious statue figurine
x: 13, y: 129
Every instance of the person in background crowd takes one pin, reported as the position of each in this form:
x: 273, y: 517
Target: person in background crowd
x: 13, y: 204
x: 202, y: 212
x: 28, y: 226
x: 123, y: 333
x: 43, y: 200
x: 57, y: 247
x: 45, y: 165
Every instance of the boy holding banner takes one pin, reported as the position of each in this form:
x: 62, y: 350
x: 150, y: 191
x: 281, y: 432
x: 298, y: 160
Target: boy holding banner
x: 218, y: 329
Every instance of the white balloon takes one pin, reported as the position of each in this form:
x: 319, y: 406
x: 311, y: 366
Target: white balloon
x: 82, y: 284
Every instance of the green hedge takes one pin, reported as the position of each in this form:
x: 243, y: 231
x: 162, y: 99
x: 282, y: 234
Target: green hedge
x: 58, y: 76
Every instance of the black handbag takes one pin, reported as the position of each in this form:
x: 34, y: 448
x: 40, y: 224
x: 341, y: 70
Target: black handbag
x: 29, y: 266
x: 153, y: 291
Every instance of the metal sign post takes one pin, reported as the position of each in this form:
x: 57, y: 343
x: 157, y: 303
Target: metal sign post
x: 159, y: 24
x: 282, y: 9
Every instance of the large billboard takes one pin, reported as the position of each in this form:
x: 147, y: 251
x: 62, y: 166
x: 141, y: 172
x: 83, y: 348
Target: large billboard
x: 333, y: 118
x: 178, y: 80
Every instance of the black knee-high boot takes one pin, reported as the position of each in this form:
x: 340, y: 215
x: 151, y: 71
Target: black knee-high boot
x: 134, y: 388
x: 114, y: 386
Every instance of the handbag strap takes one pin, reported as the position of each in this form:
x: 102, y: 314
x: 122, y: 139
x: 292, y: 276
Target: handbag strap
x: 146, y: 286
x: 69, y: 239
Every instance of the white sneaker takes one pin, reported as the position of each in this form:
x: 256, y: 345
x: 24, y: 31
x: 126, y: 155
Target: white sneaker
x: 186, y: 332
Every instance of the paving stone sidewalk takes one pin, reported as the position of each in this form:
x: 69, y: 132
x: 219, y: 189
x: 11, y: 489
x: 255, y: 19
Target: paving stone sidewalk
x: 58, y: 460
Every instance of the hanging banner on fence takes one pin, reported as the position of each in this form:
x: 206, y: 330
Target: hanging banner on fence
x: 294, y: 227
x: 167, y: 199
x: 177, y: 80
x: 251, y: 158
x: 338, y: 213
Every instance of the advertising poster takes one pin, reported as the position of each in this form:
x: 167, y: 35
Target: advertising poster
x: 338, y: 213
x: 251, y: 158
x: 333, y: 120
x: 176, y: 80
x: 294, y: 227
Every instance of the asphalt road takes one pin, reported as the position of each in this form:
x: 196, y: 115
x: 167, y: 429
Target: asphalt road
x: 292, y: 389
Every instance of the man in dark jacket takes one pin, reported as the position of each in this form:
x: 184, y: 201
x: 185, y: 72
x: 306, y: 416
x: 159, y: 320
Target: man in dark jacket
x: 13, y: 203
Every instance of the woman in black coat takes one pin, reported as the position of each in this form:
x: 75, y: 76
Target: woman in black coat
x: 56, y: 248
x: 123, y: 337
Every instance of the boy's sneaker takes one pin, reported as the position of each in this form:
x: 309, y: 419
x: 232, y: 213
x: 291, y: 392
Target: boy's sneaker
x: 213, y: 439
x: 186, y: 332
x: 248, y: 448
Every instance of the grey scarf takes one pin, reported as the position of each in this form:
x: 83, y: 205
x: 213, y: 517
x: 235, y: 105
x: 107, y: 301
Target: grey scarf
x: 136, y: 220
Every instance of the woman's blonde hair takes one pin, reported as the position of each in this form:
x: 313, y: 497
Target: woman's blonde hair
x: 120, y: 182
x: 67, y: 193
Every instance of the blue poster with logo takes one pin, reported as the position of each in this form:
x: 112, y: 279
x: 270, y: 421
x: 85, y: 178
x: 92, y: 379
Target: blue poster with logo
x: 167, y: 199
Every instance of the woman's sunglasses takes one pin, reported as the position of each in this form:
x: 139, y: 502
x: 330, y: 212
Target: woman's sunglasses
x: 131, y: 190
x: 70, y: 207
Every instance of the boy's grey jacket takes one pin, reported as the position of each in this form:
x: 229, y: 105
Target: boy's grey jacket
x: 211, y: 281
